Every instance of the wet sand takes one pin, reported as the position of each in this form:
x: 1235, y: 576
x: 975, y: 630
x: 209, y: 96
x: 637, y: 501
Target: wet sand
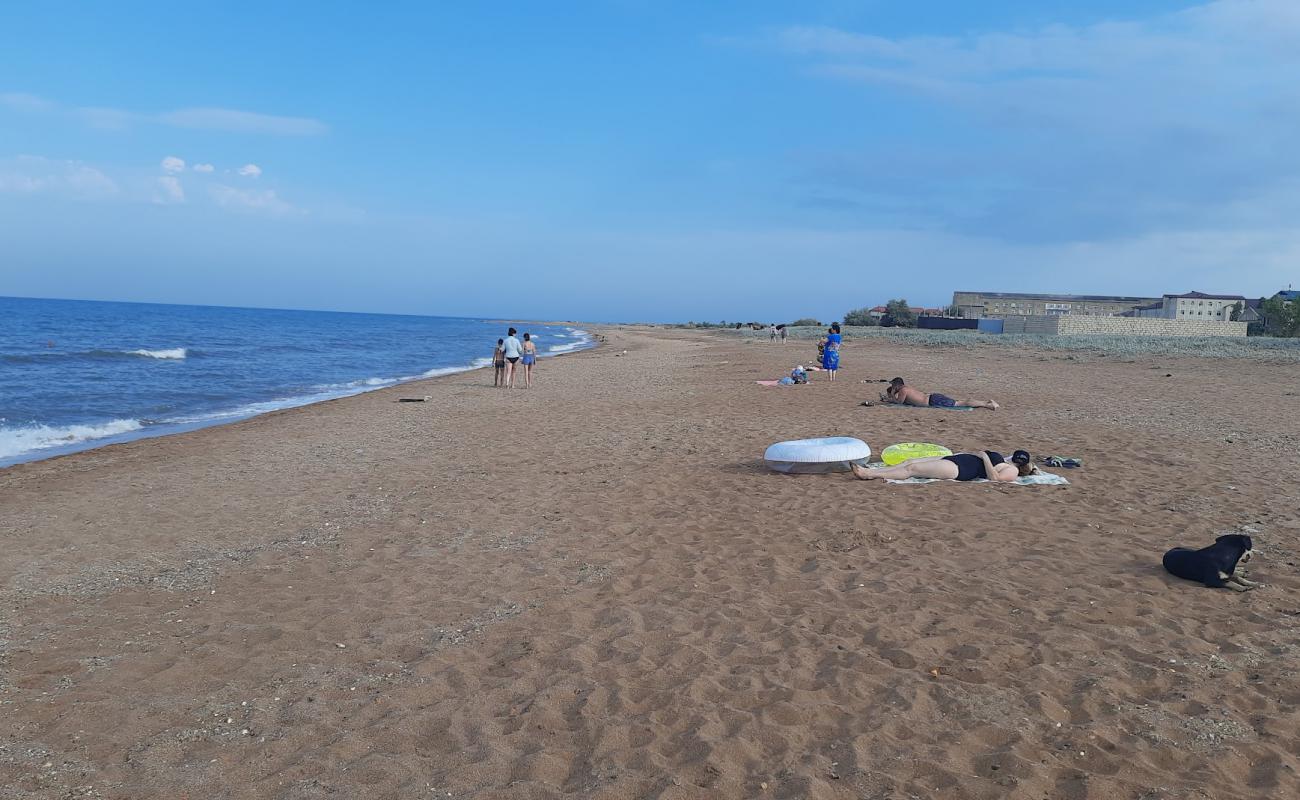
x: 595, y: 589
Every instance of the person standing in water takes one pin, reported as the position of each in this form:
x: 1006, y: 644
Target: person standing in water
x: 499, y: 364
x: 529, y: 359
x: 512, y: 351
x: 831, y: 350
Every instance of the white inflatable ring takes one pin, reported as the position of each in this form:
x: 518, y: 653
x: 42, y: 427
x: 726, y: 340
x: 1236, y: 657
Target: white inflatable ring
x: 831, y: 454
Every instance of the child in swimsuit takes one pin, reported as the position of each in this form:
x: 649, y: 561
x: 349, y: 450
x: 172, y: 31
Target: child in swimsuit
x: 499, y: 364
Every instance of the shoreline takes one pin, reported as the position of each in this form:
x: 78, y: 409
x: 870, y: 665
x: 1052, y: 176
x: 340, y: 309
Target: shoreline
x: 597, y: 589
x: 162, y: 429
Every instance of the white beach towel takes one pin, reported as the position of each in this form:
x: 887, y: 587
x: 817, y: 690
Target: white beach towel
x: 1043, y: 479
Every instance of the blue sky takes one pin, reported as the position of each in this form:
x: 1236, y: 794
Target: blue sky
x: 639, y: 160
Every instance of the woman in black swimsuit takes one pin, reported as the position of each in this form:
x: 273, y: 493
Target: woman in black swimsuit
x: 985, y: 464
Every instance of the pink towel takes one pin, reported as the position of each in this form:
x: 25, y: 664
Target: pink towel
x: 768, y: 383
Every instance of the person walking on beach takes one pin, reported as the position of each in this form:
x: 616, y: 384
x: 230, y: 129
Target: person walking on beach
x: 771, y: 332
x: 831, y: 350
x: 499, y: 364
x: 529, y: 359
x: 512, y: 351
x: 781, y: 328
x: 899, y: 393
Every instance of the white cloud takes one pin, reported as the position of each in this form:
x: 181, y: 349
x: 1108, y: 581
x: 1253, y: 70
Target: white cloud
x: 173, y: 164
x: 257, y: 200
x: 19, y: 101
x: 203, y: 168
x: 37, y: 175
x: 209, y: 119
x: 1069, y: 132
x: 233, y: 121
x: 250, y: 171
x: 168, y: 191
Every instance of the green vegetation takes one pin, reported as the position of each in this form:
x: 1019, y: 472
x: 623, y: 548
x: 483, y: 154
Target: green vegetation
x: 806, y: 321
x: 860, y: 317
x: 722, y: 324
x: 898, y: 314
x: 1280, y: 319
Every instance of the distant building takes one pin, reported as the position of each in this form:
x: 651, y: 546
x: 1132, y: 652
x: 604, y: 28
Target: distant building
x: 1008, y: 304
x: 1194, y: 305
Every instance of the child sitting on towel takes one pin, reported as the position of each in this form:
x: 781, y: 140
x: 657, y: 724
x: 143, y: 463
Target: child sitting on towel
x: 799, y: 374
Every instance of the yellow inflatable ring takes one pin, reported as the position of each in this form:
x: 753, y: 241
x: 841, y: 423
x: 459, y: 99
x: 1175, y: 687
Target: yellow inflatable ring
x: 898, y: 453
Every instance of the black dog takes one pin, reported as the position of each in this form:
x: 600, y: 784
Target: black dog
x: 1216, y: 565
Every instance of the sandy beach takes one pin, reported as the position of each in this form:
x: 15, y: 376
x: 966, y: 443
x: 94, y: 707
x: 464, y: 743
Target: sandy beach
x: 595, y: 589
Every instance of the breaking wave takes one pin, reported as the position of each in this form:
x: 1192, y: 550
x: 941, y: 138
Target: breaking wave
x: 174, y: 353
x: 16, y: 441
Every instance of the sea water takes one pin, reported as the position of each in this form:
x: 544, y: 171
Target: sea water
x: 77, y: 374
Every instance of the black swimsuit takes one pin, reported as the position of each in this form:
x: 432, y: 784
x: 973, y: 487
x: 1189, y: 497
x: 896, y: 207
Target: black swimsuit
x: 970, y: 467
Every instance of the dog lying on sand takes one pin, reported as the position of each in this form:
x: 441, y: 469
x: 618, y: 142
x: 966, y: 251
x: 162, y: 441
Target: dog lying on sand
x: 1216, y: 565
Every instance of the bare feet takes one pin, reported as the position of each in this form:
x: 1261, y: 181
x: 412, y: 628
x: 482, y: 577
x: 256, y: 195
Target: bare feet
x: 861, y: 472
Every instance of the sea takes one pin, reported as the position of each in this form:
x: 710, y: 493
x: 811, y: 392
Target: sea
x: 79, y: 374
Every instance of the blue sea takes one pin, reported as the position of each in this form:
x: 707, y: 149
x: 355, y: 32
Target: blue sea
x: 77, y: 374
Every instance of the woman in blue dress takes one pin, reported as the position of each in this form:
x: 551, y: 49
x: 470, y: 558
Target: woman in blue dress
x: 831, y: 350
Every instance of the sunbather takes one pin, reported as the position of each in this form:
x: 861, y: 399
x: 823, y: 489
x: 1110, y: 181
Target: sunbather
x: 904, y: 395
x: 986, y: 464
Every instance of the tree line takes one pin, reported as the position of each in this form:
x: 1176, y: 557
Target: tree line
x: 898, y: 314
x: 1278, y: 317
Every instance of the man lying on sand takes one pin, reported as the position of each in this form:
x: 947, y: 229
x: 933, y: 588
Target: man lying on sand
x: 907, y: 396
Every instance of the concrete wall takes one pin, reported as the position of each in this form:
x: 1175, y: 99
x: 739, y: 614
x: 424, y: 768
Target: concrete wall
x: 1070, y: 325
x: 1145, y: 326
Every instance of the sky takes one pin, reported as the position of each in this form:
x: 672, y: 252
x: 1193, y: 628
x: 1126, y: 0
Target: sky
x: 635, y: 160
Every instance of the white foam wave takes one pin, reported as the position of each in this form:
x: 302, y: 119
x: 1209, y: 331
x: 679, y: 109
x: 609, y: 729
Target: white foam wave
x: 17, y: 441
x: 581, y: 341
x: 567, y: 347
x: 477, y: 363
x: 174, y: 353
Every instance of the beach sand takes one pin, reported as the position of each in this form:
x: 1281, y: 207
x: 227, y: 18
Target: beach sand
x: 595, y: 589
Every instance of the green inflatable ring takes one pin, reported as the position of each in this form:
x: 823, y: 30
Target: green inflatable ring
x: 898, y: 453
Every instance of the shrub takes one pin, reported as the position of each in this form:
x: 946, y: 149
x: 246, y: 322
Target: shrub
x: 898, y: 314
x: 860, y: 317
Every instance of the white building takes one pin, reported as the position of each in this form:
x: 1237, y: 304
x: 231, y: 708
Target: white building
x: 1193, y: 305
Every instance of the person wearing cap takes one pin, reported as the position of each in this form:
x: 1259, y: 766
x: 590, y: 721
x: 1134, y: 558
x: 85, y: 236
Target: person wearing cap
x: 904, y: 395
x: 982, y: 465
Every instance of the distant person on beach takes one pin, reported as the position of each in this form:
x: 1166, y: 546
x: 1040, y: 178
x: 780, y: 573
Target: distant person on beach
x: 513, y: 350
x: 831, y: 350
x: 771, y: 332
x: 899, y: 393
x: 499, y: 364
x: 529, y: 359
x: 781, y: 328
x: 984, y: 465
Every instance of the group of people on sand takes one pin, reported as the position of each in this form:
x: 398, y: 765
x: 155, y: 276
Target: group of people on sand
x: 984, y: 465
x: 511, y: 353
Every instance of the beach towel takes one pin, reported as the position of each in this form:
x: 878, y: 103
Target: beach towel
x: 1045, y: 479
x: 768, y: 383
